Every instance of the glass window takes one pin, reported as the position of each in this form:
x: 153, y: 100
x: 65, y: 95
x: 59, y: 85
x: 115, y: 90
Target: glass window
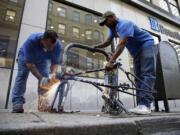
x: 61, y: 28
x: 174, y: 7
x: 76, y: 16
x: 173, y: 2
x: 170, y: 6
x: 88, y: 18
x: 77, y: 29
x: 62, y: 11
x: 95, y: 19
x: 174, y: 10
x: 163, y: 4
x: 10, y: 15
x: 9, y: 31
x: 76, y: 32
x: 16, y: 1
x: 48, y: 24
x: 88, y: 34
x: 50, y: 6
x: 102, y: 37
x: 96, y: 35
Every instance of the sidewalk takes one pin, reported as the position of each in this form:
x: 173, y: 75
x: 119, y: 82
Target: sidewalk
x: 83, y: 123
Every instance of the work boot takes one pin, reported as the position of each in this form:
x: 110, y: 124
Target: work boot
x: 18, y: 109
x: 43, y: 104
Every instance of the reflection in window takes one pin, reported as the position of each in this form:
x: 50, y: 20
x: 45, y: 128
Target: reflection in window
x: 62, y: 11
x: 102, y: 37
x: 88, y: 34
x: 9, y: 31
x: 10, y: 15
x: 76, y: 16
x: 73, y: 59
x: 76, y: 32
x: 48, y: 24
x: 61, y: 28
x: 88, y: 18
x: 96, y: 35
x: 50, y: 6
x: 163, y: 5
x: 16, y: 1
x: 89, y: 63
x: 95, y: 19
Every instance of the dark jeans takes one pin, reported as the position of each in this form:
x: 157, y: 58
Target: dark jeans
x: 145, y: 69
x: 19, y: 88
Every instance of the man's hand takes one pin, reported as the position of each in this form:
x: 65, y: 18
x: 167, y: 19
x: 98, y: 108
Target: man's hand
x: 109, y: 66
x: 44, y: 81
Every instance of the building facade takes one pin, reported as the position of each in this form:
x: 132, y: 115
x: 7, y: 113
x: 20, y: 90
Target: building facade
x: 77, y: 21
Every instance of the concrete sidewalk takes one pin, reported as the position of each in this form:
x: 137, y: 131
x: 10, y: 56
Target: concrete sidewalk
x: 83, y: 123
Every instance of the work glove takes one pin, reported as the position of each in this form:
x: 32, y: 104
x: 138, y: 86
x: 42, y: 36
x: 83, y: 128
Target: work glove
x: 45, y: 83
x: 53, y: 78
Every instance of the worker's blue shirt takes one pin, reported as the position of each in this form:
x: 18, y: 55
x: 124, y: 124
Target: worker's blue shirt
x: 137, y: 38
x: 34, y: 51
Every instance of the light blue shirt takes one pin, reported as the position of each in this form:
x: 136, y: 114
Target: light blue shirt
x: 137, y: 38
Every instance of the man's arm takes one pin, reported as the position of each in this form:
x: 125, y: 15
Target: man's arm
x: 54, y: 68
x: 104, y: 44
x: 118, y: 51
x: 34, y: 71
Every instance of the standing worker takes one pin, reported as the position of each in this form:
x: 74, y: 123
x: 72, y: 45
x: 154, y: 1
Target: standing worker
x: 34, y: 56
x: 141, y: 46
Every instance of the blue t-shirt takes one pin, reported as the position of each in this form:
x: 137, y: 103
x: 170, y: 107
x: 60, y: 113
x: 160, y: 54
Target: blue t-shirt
x: 34, y: 51
x: 137, y: 38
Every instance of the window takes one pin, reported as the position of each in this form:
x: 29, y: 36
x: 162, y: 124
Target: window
x: 76, y: 32
x: 88, y: 19
x: 76, y: 16
x: 9, y: 29
x: 96, y: 35
x: 50, y: 6
x: 174, y: 7
x: 88, y: 34
x: 16, y: 1
x: 102, y: 37
x: 72, y: 25
x: 170, y: 6
x: 95, y: 19
x: 62, y: 11
x: 48, y: 24
x: 163, y: 4
x: 61, y: 28
x: 10, y: 16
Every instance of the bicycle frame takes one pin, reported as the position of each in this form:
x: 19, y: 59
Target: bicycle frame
x: 113, y: 103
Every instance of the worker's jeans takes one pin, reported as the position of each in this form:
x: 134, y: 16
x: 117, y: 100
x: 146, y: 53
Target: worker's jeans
x: 19, y: 88
x: 145, y: 69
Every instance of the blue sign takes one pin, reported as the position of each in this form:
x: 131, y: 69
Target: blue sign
x: 154, y: 23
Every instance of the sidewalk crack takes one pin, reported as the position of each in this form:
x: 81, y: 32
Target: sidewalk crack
x: 40, y: 119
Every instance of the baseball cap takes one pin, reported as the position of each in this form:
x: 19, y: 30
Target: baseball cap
x: 105, y: 16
